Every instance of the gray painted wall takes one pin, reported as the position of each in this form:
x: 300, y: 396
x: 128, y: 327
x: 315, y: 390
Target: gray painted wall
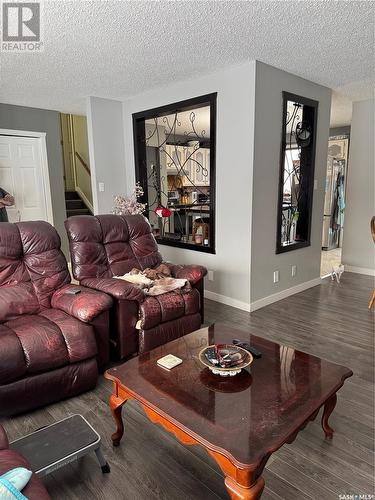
x: 42, y: 120
x: 270, y: 82
x: 235, y: 89
x: 358, y: 247
x: 106, y: 147
x: 246, y: 213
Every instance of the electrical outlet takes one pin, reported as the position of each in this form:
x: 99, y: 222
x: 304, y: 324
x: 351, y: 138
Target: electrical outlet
x: 210, y: 275
x: 276, y: 276
x: 101, y: 187
x: 294, y: 271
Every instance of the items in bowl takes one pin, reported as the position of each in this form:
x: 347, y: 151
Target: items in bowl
x: 224, y: 356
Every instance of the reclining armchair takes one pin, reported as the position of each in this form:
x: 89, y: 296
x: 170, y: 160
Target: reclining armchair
x: 112, y: 245
x: 51, y: 341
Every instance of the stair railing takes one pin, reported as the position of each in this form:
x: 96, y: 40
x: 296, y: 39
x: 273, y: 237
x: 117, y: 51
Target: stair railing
x: 84, y: 164
x: 80, y: 184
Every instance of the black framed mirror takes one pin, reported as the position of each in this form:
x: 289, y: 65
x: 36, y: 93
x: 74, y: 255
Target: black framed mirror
x: 175, y: 149
x: 296, y: 181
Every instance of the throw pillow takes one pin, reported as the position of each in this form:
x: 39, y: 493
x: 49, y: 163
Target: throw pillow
x: 12, y: 482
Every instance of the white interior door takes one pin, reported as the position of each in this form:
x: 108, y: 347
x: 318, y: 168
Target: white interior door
x: 22, y: 176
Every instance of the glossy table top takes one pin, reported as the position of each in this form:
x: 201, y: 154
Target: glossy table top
x: 247, y: 416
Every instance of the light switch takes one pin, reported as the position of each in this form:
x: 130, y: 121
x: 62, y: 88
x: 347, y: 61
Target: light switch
x: 315, y: 184
x: 101, y: 187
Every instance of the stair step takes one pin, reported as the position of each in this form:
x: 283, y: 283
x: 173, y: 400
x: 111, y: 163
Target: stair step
x: 78, y: 211
x: 73, y: 204
x: 72, y: 195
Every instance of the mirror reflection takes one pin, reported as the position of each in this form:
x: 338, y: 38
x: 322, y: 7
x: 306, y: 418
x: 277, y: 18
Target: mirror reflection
x: 296, y: 172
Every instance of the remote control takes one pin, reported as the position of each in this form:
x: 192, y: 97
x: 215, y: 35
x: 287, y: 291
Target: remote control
x: 245, y: 345
x: 73, y: 291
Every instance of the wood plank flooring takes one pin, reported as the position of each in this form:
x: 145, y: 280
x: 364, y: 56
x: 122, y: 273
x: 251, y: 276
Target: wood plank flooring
x: 330, y: 321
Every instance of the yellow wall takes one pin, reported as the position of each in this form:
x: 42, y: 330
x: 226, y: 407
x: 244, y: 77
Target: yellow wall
x: 67, y: 148
x: 81, y: 146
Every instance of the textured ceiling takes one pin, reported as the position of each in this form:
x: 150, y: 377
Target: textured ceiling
x: 117, y: 49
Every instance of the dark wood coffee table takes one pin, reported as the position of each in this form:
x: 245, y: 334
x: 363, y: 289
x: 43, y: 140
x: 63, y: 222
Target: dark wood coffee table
x: 241, y: 420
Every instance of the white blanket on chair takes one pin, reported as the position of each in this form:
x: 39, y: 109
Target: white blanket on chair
x: 154, y: 287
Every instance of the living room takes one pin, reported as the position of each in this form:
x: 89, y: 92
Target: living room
x: 163, y: 168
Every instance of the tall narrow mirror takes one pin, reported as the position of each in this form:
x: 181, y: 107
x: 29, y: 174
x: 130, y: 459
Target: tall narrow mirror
x: 296, y: 183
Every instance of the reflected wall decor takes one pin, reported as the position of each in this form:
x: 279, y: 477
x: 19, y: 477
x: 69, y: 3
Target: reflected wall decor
x: 296, y: 182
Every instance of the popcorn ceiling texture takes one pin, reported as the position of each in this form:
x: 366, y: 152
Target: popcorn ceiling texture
x: 118, y: 49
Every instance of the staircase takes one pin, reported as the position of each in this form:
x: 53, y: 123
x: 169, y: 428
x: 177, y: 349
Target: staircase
x: 75, y: 205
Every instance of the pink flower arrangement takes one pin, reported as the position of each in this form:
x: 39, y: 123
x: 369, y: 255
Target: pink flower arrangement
x: 129, y: 205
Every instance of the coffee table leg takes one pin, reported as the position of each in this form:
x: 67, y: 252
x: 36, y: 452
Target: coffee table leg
x: 116, y: 404
x: 238, y: 492
x: 328, y: 409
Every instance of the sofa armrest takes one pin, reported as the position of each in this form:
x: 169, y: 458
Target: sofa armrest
x: 193, y: 273
x: 4, y: 444
x: 84, y: 306
x: 117, y: 288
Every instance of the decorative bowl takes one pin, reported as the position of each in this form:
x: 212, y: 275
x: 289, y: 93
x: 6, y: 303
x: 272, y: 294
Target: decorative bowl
x: 230, y: 371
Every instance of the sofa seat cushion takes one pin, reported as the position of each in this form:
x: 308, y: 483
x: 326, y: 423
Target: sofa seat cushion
x: 44, y: 388
x: 79, y: 337
x: 167, y: 307
x: 38, y: 343
x: 12, y: 359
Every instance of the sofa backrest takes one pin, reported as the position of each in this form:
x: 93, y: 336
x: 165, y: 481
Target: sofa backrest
x: 110, y: 245
x: 32, y: 267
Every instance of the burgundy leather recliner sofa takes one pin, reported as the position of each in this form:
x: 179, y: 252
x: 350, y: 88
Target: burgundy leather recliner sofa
x: 111, y: 245
x: 10, y: 459
x: 50, y: 341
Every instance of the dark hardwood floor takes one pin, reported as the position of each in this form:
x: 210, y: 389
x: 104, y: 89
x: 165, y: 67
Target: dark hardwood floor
x: 331, y: 321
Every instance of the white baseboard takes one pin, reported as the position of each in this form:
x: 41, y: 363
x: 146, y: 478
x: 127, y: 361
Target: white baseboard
x: 258, y: 304
x: 84, y: 198
x: 275, y: 297
x: 228, y: 301
x: 359, y: 270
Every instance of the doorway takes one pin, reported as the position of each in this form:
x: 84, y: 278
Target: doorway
x: 334, y: 203
x: 77, y: 173
x: 24, y: 174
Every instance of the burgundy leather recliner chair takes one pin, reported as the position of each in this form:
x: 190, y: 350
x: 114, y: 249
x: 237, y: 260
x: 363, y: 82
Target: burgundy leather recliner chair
x: 10, y: 459
x: 111, y: 245
x: 50, y: 341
